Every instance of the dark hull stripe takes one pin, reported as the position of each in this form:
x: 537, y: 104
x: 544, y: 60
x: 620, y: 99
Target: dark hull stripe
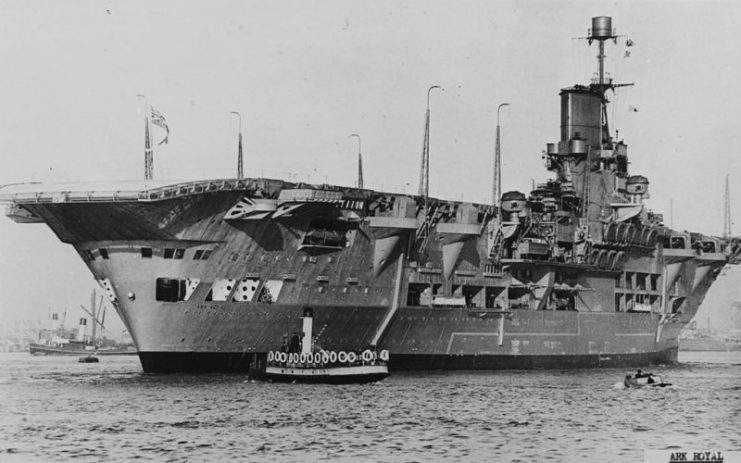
x: 400, y: 362
x: 36, y: 350
x: 370, y: 378
x: 220, y: 362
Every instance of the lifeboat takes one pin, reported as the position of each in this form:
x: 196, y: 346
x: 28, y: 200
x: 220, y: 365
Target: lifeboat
x: 644, y: 380
x: 612, y: 260
x: 622, y: 232
x: 652, y: 237
x: 630, y: 234
x: 610, y: 232
x: 602, y: 259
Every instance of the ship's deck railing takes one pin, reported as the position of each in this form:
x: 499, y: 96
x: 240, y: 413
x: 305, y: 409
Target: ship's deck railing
x: 150, y: 190
x: 190, y: 188
x: 77, y: 193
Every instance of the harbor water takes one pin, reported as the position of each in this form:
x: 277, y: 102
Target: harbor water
x: 56, y: 409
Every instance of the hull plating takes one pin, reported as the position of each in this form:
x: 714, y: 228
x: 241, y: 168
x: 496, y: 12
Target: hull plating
x: 215, y: 362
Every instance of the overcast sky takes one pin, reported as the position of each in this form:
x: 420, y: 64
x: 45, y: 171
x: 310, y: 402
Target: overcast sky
x: 305, y: 75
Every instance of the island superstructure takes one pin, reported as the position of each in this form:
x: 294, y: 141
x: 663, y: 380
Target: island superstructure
x: 212, y: 275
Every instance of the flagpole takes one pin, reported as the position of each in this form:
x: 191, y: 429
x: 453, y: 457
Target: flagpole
x: 240, y: 170
x: 148, y: 154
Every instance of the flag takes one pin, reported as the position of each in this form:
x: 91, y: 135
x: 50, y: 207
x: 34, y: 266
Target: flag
x: 159, y: 120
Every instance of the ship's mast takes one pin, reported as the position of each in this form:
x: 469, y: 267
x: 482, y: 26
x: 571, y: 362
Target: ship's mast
x: 602, y: 30
x: 424, y: 174
x: 240, y: 168
x: 148, y: 153
x: 727, y: 215
x: 497, y: 190
x: 360, y: 161
x: 95, y: 315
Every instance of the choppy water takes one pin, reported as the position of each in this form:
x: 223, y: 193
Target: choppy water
x: 55, y: 409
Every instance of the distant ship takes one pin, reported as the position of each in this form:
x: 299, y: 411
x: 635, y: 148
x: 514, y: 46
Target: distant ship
x: 700, y: 340
x: 74, y: 347
x: 706, y: 344
x: 696, y: 338
x: 211, y: 275
x: 57, y: 340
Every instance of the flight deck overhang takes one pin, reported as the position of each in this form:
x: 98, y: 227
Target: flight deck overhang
x: 131, y: 190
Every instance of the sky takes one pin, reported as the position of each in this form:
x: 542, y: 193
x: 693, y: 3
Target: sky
x: 304, y: 75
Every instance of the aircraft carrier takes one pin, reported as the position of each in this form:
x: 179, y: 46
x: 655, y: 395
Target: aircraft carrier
x: 212, y: 275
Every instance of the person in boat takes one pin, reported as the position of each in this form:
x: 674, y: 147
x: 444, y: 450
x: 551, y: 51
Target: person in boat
x: 284, y: 345
x: 295, y: 345
x: 645, y: 375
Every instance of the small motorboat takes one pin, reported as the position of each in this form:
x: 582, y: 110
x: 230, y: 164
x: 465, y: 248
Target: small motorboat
x: 644, y: 380
x: 305, y: 364
x: 88, y: 359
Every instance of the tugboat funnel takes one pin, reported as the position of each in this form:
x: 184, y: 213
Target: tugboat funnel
x: 308, y: 322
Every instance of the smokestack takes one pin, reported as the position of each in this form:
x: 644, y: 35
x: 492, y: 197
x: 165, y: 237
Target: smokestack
x: 308, y: 321
x: 81, y: 329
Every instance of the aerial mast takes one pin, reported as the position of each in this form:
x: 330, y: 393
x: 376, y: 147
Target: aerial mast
x: 424, y: 174
x: 602, y: 30
x: 727, y: 215
x: 360, y: 161
x: 148, y: 152
x: 497, y: 190
x: 240, y: 170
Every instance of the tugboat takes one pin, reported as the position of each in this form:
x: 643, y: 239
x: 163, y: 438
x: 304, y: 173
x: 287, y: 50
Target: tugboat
x: 304, y: 362
x: 59, y: 341
x: 644, y: 379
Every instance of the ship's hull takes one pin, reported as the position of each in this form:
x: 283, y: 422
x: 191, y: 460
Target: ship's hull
x: 232, y: 362
x: 417, y: 338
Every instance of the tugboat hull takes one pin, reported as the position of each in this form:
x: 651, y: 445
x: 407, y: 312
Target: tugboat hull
x: 338, y: 375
